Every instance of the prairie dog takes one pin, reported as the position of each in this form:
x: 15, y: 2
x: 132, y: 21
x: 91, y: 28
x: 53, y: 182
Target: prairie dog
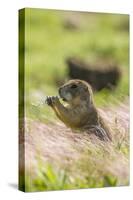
x: 80, y: 111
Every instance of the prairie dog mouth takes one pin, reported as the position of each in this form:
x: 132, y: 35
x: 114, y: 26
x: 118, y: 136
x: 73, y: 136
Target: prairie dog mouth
x: 66, y: 96
x: 64, y: 99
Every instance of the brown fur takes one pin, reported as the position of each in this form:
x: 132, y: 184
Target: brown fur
x: 80, y: 111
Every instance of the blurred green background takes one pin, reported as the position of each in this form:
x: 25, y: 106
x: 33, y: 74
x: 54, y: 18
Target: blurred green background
x: 52, y: 36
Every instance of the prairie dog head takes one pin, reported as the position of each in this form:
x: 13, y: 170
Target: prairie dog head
x: 76, y: 91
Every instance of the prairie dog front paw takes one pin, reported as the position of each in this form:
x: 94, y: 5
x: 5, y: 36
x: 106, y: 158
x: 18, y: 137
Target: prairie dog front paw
x: 48, y: 101
x: 52, y: 100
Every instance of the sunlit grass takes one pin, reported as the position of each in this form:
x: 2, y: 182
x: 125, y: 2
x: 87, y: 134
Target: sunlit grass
x: 48, y: 45
x: 49, y: 178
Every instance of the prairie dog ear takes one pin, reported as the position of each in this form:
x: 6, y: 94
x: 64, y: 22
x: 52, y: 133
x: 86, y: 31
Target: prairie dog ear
x: 86, y: 88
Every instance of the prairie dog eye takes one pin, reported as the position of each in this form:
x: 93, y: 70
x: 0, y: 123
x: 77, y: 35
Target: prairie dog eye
x: 74, y: 86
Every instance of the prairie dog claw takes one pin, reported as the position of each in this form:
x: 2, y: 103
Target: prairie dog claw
x: 50, y: 100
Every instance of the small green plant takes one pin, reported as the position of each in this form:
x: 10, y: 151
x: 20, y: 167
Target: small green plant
x: 50, y: 179
x: 110, y: 181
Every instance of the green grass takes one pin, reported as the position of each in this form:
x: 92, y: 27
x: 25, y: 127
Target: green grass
x: 50, y: 179
x: 61, y: 159
x: 47, y: 45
